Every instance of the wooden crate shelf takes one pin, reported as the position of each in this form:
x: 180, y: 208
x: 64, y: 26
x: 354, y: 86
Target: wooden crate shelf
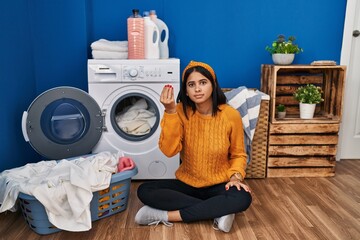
x: 303, y: 147
x: 280, y: 82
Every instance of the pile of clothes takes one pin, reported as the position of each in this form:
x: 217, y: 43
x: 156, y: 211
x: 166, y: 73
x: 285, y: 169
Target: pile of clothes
x: 105, y: 49
x: 65, y: 187
x: 136, y: 119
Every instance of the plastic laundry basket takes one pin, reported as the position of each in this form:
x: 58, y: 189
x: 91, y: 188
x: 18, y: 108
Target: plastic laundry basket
x: 104, y: 203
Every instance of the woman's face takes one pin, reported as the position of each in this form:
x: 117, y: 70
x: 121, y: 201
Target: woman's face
x: 199, y: 88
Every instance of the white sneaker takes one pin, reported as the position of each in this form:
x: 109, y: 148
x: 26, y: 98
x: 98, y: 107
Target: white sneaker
x: 224, y: 223
x: 151, y: 216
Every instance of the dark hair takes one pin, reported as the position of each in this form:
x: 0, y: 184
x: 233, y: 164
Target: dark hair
x: 218, y: 96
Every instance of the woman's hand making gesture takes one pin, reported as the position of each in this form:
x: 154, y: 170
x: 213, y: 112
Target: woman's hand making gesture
x: 167, y: 99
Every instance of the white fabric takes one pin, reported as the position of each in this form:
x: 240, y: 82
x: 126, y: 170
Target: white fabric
x: 137, y: 119
x: 64, y: 188
x: 106, y: 45
x: 98, y: 54
x: 21, y: 179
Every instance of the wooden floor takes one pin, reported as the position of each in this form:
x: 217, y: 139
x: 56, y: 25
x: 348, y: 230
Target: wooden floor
x: 282, y: 208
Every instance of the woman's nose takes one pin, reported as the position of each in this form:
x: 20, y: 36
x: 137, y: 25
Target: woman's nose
x: 197, y: 88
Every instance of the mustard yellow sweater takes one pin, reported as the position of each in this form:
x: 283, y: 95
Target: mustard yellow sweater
x: 211, y: 148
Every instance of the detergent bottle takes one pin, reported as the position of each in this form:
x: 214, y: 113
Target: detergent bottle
x: 151, y: 38
x: 135, y: 27
x: 164, y: 35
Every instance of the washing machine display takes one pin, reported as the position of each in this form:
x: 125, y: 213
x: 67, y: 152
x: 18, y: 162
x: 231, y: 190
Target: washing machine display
x: 128, y: 93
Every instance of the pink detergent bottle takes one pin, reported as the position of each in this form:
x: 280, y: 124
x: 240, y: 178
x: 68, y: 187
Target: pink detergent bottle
x: 135, y: 27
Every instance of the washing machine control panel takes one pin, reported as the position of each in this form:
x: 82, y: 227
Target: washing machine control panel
x: 149, y: 73
x: 134, y: 71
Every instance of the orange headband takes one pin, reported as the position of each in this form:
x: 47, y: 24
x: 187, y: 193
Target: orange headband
x: 199, y: 64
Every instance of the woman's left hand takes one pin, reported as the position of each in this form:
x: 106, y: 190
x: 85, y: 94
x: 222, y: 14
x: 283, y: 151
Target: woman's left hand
x: 238, y: 185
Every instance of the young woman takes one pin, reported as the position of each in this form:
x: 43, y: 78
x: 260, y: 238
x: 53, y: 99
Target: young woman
x: 209, y: 135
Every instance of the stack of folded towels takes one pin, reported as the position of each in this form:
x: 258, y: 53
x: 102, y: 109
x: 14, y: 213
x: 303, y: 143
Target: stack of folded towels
x: 105, y: 49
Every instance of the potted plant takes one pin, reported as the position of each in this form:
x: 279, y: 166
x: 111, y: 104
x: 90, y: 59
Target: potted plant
x: 308, y: 96
x: 281, y: 111
x: 283, y: 51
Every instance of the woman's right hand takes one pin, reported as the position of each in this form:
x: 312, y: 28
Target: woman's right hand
x: 167, y: 99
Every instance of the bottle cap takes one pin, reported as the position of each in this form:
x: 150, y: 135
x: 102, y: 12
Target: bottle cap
x: 135, y: 12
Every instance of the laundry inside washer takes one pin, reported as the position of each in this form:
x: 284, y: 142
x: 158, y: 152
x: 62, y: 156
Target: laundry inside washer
x: 135, y: 116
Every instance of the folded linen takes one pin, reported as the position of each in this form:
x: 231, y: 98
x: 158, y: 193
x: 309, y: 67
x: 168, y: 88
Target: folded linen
x: 106, y: 45
x: 97, y: 54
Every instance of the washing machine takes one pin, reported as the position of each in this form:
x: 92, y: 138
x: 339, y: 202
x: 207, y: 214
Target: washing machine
x: 128, y: 93
x: 121, y: 112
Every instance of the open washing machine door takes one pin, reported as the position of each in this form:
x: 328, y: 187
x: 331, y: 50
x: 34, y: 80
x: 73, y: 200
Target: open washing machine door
x: 63, y: 122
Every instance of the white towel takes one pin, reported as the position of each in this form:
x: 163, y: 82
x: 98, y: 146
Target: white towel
x: 98, y: 54
x: 106, y: 45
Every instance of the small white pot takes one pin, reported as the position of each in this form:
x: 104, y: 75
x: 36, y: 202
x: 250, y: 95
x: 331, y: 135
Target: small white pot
x: 283, y: 58
x: 307, y: 110
x: 281, y: 115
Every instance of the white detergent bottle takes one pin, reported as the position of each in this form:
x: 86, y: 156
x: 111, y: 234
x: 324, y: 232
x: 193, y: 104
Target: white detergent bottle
x: 164, y: 35
x: 151, y: 38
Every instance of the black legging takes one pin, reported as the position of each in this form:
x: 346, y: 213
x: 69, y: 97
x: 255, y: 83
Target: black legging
x: 193, y: 203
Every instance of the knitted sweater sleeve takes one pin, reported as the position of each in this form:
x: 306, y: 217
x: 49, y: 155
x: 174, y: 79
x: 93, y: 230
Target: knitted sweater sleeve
x: 171, y: 134
x: 237, y: 152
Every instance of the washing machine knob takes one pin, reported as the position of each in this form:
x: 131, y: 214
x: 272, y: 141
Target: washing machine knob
x: 133, y: 73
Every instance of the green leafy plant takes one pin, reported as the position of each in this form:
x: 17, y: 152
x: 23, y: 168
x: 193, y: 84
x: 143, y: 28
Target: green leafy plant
x: 308, y: 94
x: 280, y: 45
x: 281, y: 108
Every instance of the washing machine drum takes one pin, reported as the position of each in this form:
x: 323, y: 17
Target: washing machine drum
x: 63, y: 122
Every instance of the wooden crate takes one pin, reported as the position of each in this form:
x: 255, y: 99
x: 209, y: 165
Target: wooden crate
x: 303, y: 147
x: 302, y: 150
x: 280, y: 82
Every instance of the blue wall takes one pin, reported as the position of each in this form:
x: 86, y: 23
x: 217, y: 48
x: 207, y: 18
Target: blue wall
x: 47, y: 43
